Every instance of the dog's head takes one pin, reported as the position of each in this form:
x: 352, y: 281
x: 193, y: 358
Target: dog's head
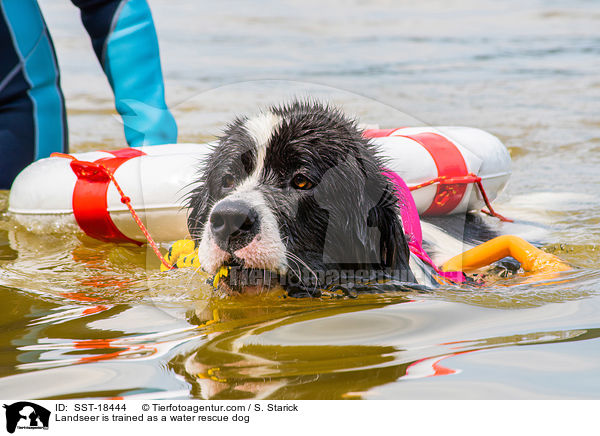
x: 296, y: 193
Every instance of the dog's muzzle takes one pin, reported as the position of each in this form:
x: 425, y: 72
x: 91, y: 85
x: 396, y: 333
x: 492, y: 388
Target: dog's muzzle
x: 233, y: 224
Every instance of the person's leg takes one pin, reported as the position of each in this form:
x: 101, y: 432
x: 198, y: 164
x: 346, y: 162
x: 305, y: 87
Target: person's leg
x: 125, y: 42
x: 32, y: 112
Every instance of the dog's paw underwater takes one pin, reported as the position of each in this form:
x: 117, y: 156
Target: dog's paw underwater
x: 298, y: 196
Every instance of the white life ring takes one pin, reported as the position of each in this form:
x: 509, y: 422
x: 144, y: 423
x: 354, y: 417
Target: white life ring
x: 422, y: 154
x: 49, y: 196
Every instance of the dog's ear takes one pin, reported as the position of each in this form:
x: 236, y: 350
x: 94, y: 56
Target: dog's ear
x: 198, y: 205
x: 393, y: 247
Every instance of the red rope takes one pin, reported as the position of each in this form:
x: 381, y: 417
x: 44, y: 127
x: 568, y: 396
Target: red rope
x: 422, y: 185
x: 469, y: 178
x: 127, y: 202
x: 445, y: 180
x: 490, y: 210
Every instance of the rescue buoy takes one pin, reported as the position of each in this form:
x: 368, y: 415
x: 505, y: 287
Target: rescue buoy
x: 441, y: 166
x: 58, y: 193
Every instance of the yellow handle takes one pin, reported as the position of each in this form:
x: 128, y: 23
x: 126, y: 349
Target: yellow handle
x: 532, y: 259
x: 183, y: 254
x: 179, y: 255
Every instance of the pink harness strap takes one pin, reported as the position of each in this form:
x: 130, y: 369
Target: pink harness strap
x: 412, y: 226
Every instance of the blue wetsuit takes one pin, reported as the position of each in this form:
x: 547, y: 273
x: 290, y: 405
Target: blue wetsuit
x: 32, y: 111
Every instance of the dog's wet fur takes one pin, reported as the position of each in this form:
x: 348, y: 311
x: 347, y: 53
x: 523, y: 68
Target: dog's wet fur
x: 297, y: 195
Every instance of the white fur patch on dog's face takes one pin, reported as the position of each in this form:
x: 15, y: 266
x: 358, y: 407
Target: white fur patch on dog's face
x: 211, y: 257
x: 261, y: 129
x: 266, y: 250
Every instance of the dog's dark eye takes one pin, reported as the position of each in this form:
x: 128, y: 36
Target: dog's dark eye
x: 301, y: 182
x: 228, y: 181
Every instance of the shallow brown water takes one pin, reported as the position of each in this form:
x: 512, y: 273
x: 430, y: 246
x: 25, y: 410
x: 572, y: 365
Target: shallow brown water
x: 88, y: 319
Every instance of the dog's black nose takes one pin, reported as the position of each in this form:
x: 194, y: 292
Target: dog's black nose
x: 233, y: 224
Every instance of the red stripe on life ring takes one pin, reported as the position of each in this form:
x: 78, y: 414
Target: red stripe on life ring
x: 379, y: 133
x: 90, y: 205
x: 450, y: 163
x: 126, y: 152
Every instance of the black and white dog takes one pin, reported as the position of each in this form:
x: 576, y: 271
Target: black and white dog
x: 296, y: 194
